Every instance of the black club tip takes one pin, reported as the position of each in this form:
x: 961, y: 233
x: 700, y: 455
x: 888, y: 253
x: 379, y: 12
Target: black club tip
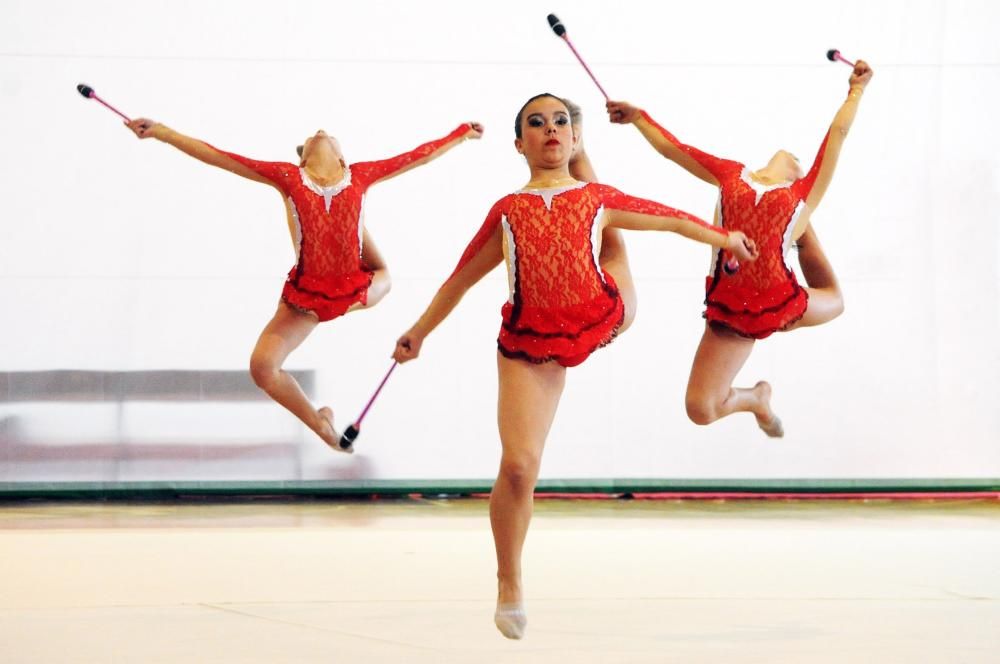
x: 556, y: 25
x: 348, y: 437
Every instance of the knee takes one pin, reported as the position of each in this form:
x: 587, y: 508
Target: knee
x: 264, y: 372
x: 520, y: 472
x: 829, y: 306
x: 630, y: 306
x: 380, y: 287
x: 385, y: 280
x: 837, y: 304
x: 700, y: 410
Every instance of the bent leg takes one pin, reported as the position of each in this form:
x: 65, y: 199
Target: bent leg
x: 381, y: 281
x: 283, y: 334
x: 528, y: 397
x: 710, y: 394
x: 826, y: 301
x: 614, y: 261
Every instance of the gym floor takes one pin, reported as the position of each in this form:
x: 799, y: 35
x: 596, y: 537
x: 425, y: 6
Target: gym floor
x: 412, y: 580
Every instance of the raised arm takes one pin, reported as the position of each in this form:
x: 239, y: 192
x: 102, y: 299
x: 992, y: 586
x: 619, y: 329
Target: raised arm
x: 383, y: 169
x: 699, y: 164
x: 579, y: 165
x: 639, y: 214
x: 483, y: 254
x: 145, y: 128
x: 814, y: 184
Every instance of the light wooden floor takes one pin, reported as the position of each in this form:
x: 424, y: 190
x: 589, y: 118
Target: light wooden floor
x: 412, y: 581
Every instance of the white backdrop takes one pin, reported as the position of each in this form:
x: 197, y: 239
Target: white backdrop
x: 125, y: 255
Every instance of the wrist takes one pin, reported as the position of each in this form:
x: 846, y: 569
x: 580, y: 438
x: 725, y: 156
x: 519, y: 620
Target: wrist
x: 160, y: 131
x: 419, y: 330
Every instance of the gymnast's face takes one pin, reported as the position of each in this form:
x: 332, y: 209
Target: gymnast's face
x: 547, y: 137
x: 321, y: 143
x: 785, y: 166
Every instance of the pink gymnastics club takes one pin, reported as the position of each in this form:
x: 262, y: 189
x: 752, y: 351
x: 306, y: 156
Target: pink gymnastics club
x: 560, y: 30
x: 833, y: 55
x: 351, y: 432
x: 89, y: 93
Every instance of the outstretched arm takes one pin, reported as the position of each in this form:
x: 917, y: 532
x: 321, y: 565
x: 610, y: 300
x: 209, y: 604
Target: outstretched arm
x: 383, y: 169
x: 699, y: 164
x: 638, y: 214
x: 483, y: 254
x: 145, y: 128
x: 815, y: 183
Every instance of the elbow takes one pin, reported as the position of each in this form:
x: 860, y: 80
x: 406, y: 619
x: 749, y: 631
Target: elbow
x: 840, y: 129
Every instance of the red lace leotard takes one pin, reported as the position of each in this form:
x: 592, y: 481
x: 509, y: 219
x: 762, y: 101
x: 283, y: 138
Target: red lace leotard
x: 327, y: 224
x: 763, y: 296
x: 562, y: 306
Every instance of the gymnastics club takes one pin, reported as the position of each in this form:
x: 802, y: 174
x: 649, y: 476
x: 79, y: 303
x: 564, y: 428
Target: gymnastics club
x: 833, y: 55
x: 352, y: 431
x: 560, y: 30
x: 89, y: 93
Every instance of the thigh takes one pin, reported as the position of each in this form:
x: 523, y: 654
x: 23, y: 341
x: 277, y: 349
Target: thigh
x: 612, y: 246
x: 614, y: 262
x: 370, y: 255
x: 528, y: 397
x: 825, y: 304
x: 283, y: 334
x: 720, y: 356
x: 815, y: 266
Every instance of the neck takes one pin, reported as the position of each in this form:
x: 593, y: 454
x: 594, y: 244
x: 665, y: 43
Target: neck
x: 765, y: 176
x: 324, y: 167
x: 550, y: 177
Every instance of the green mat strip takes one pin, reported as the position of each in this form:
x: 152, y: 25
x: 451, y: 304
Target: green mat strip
x: 347, y: 488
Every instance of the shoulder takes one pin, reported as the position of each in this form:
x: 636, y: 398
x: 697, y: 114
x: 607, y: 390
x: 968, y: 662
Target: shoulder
x: 361, y: 171
x: 282, y: 169
x: 601, y: 188
x: 602, y: 191
x: 730, y: 173
x: 731, y: 166
x: 504, y: 203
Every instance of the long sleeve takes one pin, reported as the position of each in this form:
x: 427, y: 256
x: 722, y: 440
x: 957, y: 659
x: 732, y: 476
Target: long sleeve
x: 613, y: 199
x: 717, y: 166
x: 276, y: 172
x: 477, y: 260
x: 370, y: 172
x: 486, y: 232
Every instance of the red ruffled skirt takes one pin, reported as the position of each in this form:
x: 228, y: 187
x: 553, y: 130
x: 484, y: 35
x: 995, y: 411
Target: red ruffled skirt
x: 754, y: 313
x: 567, y: 335
x: 327, y: 297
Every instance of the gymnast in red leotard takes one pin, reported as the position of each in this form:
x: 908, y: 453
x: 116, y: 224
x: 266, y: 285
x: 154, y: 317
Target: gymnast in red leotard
x: 561, y: 307
x: 338, y: 268
x: 772, y: 205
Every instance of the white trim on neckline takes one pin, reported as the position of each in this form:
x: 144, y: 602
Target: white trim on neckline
x: 548, y: 193
x: 759, y: 188
x: 329, y: 191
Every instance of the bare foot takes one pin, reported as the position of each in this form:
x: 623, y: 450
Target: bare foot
x: 768, y: 422
x: 327, y: 432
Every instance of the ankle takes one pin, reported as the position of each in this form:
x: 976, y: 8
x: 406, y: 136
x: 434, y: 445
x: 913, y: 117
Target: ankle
x: 509, y: 592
